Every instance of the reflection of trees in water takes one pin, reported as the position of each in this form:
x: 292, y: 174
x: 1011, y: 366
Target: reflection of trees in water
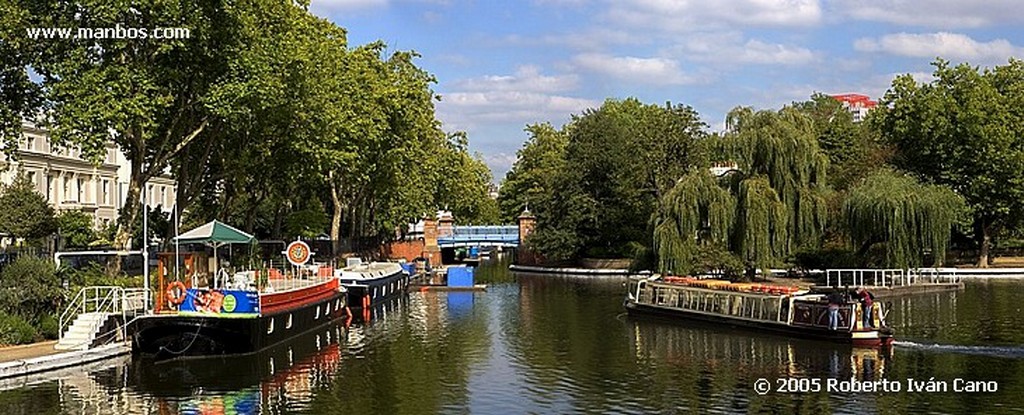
x: 985, y: 312
x: 714, y: 367
x: 567, y: 341
x: 413, y: 360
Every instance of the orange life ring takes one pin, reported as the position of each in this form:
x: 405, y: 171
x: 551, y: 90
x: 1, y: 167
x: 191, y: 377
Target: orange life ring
x: 176, y: 299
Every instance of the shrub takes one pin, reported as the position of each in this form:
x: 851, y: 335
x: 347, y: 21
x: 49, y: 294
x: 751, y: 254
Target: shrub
x: 825, y: 258
x: 15, y: 330
x: 29, y: 287
x: 49, y: 326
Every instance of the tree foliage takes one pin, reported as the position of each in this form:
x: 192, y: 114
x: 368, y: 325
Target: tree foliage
x: 908, y: 217
x: 24, y: 212
x: 534, y: 176
x: 618, y: 161
x: 76, y: 229
x: 964, y: 130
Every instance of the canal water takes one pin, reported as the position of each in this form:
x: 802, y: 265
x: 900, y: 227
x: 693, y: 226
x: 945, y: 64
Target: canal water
x: 559, y: 345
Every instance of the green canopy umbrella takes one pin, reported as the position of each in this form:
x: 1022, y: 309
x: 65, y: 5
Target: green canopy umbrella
x: 214, y: 234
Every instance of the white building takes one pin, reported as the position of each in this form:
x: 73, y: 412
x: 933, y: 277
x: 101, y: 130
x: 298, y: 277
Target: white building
x: 71, y: 183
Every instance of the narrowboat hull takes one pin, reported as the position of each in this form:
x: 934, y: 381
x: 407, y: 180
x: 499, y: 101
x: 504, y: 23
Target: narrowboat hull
x: 369, y: 292
x: 860, y: 338
x: 165, y: 336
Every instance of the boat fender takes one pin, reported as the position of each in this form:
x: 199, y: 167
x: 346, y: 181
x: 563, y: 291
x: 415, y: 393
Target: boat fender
x: 179, y: 287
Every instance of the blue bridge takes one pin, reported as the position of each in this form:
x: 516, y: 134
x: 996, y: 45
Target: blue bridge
x: 463, y: 236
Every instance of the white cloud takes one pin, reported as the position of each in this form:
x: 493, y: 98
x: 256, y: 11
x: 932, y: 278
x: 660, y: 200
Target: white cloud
x: 657, y: 71
x: 944, y: 44
x: 526, y: 79
x: 756, y: 51
x: 527, y: 96
x: 729, y: 47
x: 686, y: 15
x: 467, y: 109
x: 934, y: 13
x: 500, y: 163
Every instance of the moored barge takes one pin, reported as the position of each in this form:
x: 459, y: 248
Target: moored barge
x: 371, y: 283
x: 209, y: 321
x: 788, y: 310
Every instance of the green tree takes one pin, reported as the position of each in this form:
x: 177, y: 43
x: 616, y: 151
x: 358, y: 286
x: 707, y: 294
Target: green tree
x: 965, y: 130
x: 533, y: 177
x: 464, y: 184
x: 908, y: 217
x: 773, y: 201
x: 75, y: 228
x: 852, y: 148
x: 151, y: 97
x: 24, y: 212
x: 619, y: 160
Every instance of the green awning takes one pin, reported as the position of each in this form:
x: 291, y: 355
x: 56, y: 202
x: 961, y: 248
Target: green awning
x: 215, y: 234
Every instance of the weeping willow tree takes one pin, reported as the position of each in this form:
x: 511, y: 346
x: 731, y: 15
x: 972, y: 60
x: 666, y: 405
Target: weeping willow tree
x: 782, y: 146
x: 776, y: 200
x: 696, y: 210
x: 761, y: 220
x: 906, y: 216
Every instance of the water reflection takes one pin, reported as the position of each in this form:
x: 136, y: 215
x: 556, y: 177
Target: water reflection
x: 545, y: 344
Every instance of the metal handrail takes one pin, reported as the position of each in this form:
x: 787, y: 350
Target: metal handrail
x: 890, y: 277
x: 100, y: 299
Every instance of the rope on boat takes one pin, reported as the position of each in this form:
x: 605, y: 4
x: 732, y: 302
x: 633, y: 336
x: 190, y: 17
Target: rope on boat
x: 194, y: 337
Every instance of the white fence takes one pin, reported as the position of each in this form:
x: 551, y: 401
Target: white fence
x: 890, y: 277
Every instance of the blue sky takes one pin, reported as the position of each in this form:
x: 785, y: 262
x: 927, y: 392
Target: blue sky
x: 502, y: 65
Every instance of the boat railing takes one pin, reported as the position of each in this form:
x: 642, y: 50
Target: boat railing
x: 103, y: 299
x: 890, y: 277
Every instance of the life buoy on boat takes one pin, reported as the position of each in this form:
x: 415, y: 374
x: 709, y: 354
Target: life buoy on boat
x: 180, y: 297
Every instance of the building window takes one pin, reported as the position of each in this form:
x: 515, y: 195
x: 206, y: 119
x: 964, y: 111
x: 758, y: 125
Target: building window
x: 30, y: 142
x: 106, y: 192
x: 32, y: 179
x: 163, y: 195
x: 81, y: 190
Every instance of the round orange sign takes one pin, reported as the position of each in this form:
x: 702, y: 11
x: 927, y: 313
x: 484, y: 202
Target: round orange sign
x: 297, y: 253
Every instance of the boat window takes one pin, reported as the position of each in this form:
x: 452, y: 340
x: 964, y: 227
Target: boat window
x: 317, y: 317
x: 288, y: 325
x: 270, y: 326
x: 328, y: 307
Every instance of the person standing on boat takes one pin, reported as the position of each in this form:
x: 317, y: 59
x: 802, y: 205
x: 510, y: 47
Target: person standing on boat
x: 866, y: 301
x: 835, y: 299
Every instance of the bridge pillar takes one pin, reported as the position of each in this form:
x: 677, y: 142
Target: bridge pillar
x: 445, y: 224
x: 430, y: 249
x: 527, y: 222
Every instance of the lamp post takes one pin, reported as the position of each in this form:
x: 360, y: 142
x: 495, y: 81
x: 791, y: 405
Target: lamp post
x: 145, y: 248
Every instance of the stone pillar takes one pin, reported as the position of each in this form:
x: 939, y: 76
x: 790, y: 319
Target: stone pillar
x: 527, y: 222
x: 430, y: 249
x: 445, y: 224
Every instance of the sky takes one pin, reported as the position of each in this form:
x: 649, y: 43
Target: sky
x: 502, y: 65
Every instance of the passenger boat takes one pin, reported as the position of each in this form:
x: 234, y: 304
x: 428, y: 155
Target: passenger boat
x: 243, y: 314
x: 371, y: 283
x: 797, y: 312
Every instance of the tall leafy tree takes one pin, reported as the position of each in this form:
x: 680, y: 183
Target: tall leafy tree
x: 907, y: 217
x: 150, y: 96
x: 965, y: 130
x: 534, y: 176
x: 619, y: 160
x: 774, y: 200
x: 24, y: 212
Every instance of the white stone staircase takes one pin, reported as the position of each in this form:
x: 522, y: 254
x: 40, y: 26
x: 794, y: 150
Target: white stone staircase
x: 81, y: 333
